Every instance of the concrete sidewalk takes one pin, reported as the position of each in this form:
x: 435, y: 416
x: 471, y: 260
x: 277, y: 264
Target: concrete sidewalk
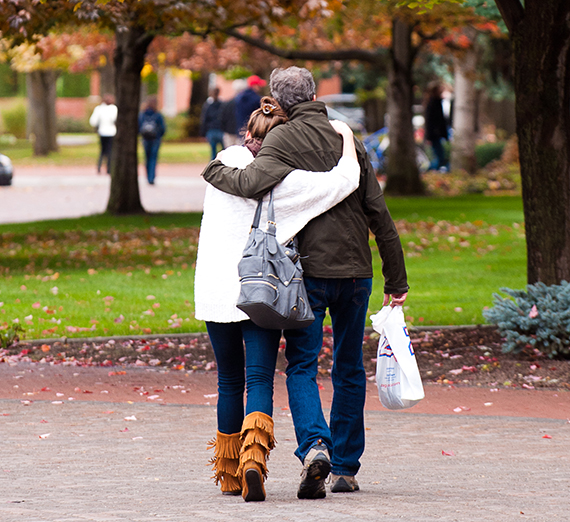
x: 76, y: 461
x: 41, y: 193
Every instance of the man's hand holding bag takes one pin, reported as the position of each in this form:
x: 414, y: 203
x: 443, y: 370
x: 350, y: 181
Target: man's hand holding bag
x: 397, y: 374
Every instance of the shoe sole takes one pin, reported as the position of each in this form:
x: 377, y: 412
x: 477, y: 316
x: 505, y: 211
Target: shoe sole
x: 344, y: 488
x: 255, y: 492
x: 313, y: 486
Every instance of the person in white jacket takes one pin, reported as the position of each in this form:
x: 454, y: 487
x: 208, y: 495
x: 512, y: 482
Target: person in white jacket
x: 243, y: 442
x: 103, y: 119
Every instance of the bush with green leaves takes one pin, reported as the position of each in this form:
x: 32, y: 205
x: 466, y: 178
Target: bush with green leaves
x: 15, y: 120
x: 538, y: 317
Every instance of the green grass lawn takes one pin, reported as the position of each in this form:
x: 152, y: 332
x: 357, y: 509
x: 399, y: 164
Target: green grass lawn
x: 104, y: 275
x: 21, y: 154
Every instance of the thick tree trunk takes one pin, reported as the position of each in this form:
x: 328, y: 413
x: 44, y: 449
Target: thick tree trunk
x: 464, y: 113
x: 107, y: 78
x: 374, y: 112
x: 199, y: 94
x: 43, y: 122
x: 130, y: 51
x: 403, y: 173
x: 541, y: 44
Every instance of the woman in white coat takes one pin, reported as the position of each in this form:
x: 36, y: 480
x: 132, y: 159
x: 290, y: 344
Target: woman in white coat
x: 103, y: 119
x: 243, y: 440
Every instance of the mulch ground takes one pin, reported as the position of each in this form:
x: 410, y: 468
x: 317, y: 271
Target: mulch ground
x: 470, y: 356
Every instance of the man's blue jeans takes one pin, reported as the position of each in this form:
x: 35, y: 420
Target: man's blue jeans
x: 151, y: 153
x: 347, y: 301
x: 236, y: 371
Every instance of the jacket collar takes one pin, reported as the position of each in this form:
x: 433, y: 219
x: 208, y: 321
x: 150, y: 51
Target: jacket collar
x: 307, y: 109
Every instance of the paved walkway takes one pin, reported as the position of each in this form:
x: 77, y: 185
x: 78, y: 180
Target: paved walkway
x: 92, y: 461
x: 48, y: 192
x: 69, y: 461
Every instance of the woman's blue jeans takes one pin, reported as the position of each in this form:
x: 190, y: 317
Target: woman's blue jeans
x: 254, y: 370
x: 215, y: 137
x: 439, y: 160
x: 347, y: 301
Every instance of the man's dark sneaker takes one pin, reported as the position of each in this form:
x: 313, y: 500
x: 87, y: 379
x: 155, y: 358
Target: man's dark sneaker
x: 343, y: 484
x: 316, y: 468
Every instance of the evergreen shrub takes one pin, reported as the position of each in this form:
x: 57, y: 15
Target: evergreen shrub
x: 538, y: 317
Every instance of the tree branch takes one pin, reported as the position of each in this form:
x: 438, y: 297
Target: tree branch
x: 291, y: 54
x: 512, y: 12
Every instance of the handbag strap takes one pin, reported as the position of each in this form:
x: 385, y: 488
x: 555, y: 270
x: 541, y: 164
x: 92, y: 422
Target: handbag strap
x: 271, y: 225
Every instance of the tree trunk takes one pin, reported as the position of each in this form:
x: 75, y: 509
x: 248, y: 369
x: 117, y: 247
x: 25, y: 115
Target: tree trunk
x: 130, y: 51
x: 403, y: 173
x: 41, y: 86
x: 541, y: 44
x: 464, y: 113
x: 107, y: 78
x: 199, y: 94
x: 374, y: 112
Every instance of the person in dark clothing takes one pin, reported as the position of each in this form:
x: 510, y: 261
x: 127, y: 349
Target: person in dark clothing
x: 337, y: 265
x: 247, y: 101
x: 228, y: 115
x: 211, y: 122
x: 152, y: 129
x: 436, y: 130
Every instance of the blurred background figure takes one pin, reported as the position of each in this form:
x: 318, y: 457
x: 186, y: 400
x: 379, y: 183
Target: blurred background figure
x: 151, y: 128
x: 103, y: 120
x: 436, y: 130
x: 228, y: 115
x: 247, y: 101
x: 211, y: 121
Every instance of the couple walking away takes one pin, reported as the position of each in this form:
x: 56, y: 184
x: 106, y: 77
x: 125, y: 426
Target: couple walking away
x: 327, y: 195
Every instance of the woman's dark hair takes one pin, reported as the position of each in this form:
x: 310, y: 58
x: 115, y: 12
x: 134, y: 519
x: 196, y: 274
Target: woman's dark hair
x: 262, y: 120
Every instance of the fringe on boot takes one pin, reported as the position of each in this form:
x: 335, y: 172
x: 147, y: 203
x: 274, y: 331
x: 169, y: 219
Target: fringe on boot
x: 257, y: 441
x: 225, y: 462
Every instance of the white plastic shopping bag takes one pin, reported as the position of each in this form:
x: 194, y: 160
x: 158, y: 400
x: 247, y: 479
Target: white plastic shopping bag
x: 397, y: 374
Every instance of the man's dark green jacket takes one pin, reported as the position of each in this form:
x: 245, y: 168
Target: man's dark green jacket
x: 334, y: 244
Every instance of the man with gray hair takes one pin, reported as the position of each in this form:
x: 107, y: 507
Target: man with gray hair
x: 337, y: 263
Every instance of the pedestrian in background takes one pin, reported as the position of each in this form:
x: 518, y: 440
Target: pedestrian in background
x: 152, y: 129
x: 211, y: 121
x: 228, y: 115
x: 103, y: 119
x: 247, y: 101
x: 436, y: 127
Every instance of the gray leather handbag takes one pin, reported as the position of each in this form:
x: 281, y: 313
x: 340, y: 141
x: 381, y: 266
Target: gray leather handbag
x: 272, y: 291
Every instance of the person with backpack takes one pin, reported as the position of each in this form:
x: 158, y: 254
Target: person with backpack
x: 151, y: 128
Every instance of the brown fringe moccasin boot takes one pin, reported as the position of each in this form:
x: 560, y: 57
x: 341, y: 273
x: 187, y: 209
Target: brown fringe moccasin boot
x: 225, y: 462
x: 257, y: 441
